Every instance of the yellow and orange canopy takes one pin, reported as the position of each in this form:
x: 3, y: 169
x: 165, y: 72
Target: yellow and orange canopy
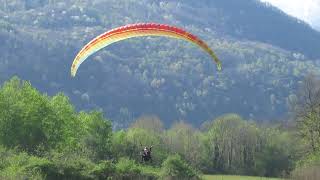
x: 138, y: 30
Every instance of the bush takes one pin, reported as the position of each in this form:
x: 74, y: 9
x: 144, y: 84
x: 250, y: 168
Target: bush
x: 174, y: 167
x: 14, y: 165
x: 127, y: 166
x: 150, y: 171
x: 103, y: 170
x: 73, y: 166
x: 128, y: 169
x: 20, y: 165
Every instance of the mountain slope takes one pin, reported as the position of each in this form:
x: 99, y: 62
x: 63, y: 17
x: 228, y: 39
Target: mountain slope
x: 169, y: 78
x: 251, y: 20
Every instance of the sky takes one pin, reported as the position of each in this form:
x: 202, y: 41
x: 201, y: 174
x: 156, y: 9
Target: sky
x: 307, y: 10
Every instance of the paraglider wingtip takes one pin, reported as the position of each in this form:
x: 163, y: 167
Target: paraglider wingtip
x: 219, y: 67
x: 73, y: 74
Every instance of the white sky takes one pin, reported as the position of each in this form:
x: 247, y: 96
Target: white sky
x: 307, y: 10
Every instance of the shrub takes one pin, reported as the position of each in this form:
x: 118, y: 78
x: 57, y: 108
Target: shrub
x: 20, y: 165
x: 127, y: 166
x: 174, y: 167
x: 103, y: 170
x: 73, y: 166
x: 128, y: 169
x: 14, y: 165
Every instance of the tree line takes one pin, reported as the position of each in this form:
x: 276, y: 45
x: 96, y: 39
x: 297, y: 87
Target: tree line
x: 43, y: 137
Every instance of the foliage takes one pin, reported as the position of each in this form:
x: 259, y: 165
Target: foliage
x: 146, y: 137
x: 184, y: 139
x: 127, y: 166
x: 174, y: 167
x: 121, y: 147
x: 312, y: 159
x: 29, y: 118
x: 41, y: 126
x: 233, y: 144
x: 82, y: 145
x: 278, y: 155
x: 14, y: 165
x: 98, y: 133
x: 306, y: 108
x: 21, y: 166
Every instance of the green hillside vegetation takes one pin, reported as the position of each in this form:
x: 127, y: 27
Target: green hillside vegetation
x: 258, y: 118
x: 43, y: 137
x: 168, y: 78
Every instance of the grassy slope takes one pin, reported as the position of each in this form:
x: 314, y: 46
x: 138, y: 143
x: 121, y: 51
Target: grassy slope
x: 227, y: 177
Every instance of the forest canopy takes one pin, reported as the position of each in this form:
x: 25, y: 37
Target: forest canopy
x: 44, y: 137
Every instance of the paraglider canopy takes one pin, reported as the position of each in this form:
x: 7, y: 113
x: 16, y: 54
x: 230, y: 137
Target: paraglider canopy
x: 138, y: 30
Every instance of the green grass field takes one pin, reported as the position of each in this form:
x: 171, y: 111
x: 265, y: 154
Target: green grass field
x: 226, y: 177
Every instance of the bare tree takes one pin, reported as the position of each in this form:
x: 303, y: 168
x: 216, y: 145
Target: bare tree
x: 149, y: 122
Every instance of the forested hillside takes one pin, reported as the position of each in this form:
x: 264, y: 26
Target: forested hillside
x: 265, y: 54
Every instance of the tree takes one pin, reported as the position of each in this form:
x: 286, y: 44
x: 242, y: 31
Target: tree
x: 277, y: 153
x: 306, y: 109
x: 174, y: 167
x: 182, y: 138
x: 23, y: 112
x: 143, y: 137
x: 233, y: 143
x: 98, y: 132
x: 35, y: 122
x: 150, y: 123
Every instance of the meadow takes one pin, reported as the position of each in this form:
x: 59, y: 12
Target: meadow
x: 229, y: 177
